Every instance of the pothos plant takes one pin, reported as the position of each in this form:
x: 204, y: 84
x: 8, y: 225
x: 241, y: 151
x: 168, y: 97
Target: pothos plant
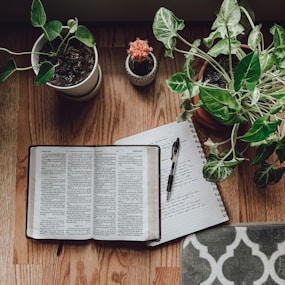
x: 254, y: 94
x: 52, y: 30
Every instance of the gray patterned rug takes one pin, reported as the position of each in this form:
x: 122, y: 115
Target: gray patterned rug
x: 235, y: 254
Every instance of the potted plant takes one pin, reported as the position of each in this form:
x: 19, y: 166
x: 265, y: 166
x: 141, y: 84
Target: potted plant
x: 251, y: 103
x: 141, y: 63
x: 64, y: 57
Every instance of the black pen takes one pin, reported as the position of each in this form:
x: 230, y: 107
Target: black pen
x: 174, y: 155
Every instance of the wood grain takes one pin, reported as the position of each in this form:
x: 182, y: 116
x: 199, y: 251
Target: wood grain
x: 37, y: 115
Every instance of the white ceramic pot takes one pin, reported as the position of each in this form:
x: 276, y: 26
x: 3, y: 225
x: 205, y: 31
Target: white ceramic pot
x: 82, y: 89
x: 139, y: 80
x: 90, y: 94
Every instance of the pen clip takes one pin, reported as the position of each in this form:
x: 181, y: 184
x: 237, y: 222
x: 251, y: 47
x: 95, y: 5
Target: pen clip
x: 175, y: 148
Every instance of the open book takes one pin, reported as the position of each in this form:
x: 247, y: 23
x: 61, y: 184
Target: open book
x: 98, y: 192
x: 195, y: 204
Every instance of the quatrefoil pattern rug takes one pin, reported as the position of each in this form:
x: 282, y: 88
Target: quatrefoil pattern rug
x: 238, y: 254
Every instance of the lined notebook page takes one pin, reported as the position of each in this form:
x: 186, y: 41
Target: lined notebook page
x: 195, y: 204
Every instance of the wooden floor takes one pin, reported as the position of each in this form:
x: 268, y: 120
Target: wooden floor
x: 37, y: 115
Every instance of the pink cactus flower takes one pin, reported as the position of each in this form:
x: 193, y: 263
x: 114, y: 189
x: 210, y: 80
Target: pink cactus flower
x: 139, y: 50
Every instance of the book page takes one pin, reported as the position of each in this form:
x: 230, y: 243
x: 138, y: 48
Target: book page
x: 60, y: 198
x: 194, y: 204
x: 127, y: 193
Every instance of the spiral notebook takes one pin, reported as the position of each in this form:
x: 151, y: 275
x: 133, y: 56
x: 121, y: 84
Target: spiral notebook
x: 195, y: 204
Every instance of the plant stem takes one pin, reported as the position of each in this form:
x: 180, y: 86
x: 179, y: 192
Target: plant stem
x: 24, y: 68
x: 230, y: 56
x: 23, y: 52
x: 252, y: 26
x: 65, y: 39
x: 20, y: 53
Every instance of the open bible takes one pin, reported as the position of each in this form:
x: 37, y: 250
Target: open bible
x: 94, y: 192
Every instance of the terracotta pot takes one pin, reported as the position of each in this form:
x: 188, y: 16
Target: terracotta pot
x: 202, y: 116
x: 140, y: 80
x: 84, y: 90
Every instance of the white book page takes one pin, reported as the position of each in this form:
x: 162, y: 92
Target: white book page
x: 194, y: 204
x: 121, y: 203
x: 60, y: 192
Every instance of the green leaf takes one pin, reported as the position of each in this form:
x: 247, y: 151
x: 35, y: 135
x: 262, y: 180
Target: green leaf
x: 272, y: 138
x: 188, y: 71
x: 189, y: 75
x: 45, y: 74
x: 225, y: 33
x: 38, y: 15
x: 268, y: 174
x: 222, y: 47
x: 279, y: 56
x: 217, y: 169
x: 73, y: 25
x: 247, y: 72
x: 7, y: 69
x: 52, y: 30
x: 227, y: 22
x: 254, y: 37
x: 186, y: 95
x: 255, y: 96
x: 277, y: 106
x: 263, y: 152
x: 235, y: 31
x: 278, y: 35
x: 193, y: 50
x: 177, y: 82
x: 85, y: 36
x: 218, y: 102
x: 229, y: 14
x: 221, y: 105
x: 266, y: 61
x: 279, y: 45
x: 165, y: 27
x: 261, y: 129
x: 208, y: 41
